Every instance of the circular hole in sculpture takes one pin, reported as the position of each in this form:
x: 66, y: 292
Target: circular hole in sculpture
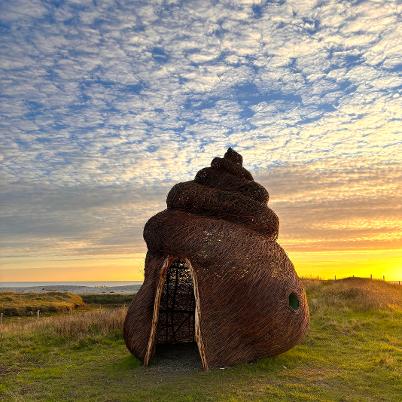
x: 294, y: 302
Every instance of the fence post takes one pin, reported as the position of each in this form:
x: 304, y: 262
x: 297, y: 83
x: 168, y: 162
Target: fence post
x: 371, y: 276
x: 38, y: 314
x: 383, y: 277
x: 1, y: 318
x: 335, y: 277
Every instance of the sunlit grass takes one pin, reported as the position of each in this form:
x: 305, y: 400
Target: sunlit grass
x: 13, y: 303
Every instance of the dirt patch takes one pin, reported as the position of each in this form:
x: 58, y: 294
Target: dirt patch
x: 181, y: 357
x: 5, y: 370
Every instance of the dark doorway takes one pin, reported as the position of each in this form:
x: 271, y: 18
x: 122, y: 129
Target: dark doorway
x: 175, y: 340
x: 176, y: 322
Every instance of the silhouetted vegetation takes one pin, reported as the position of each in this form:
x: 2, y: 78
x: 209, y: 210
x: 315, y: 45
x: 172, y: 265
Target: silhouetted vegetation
x: 108, y: 299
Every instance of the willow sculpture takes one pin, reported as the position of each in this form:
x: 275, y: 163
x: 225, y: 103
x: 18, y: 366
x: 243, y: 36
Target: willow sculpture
x: 215, y: 275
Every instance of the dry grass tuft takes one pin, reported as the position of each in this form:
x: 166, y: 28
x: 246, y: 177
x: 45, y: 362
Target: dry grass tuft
x: 74, y: 326
x: 357, y: 294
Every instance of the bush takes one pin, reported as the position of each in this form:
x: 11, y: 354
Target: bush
x: 108, y: 299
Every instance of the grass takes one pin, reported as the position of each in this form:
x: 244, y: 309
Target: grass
x: 21, y: 304
x: 77, y: 326
x: 353, y: 352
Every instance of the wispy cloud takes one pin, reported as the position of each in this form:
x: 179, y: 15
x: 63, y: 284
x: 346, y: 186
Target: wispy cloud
x: 103, y: 105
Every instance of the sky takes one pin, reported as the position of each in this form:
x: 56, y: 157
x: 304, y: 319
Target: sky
x: 104, y: 105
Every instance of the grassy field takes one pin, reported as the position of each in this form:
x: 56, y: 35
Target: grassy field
x: 353, y: 352
x: 22, y: 304
x: 27, y: 304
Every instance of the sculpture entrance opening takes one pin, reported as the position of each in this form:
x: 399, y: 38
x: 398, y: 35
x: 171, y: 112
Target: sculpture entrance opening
x: 176, y: 318
x: 176, y: 321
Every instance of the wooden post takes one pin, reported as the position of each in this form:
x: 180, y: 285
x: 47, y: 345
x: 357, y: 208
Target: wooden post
x: 335, y: 277
x: 166, y: 285
x: 37, y: 313
x: 1, y: 319
x: 383, y: 277
x: 371, y: 276
x: 151, y: 340
x: 197, y: 318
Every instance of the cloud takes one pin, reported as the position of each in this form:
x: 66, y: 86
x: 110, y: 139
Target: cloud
x: 337, y: 205
x: 100, y: 115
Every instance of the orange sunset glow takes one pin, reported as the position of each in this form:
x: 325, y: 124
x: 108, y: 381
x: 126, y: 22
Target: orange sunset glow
x: 96, y: 135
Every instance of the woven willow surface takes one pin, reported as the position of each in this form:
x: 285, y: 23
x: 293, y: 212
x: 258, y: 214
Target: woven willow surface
x: 251, y: 302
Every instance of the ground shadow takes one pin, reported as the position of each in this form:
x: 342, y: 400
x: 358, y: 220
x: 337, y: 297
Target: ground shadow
x: 176, y: 357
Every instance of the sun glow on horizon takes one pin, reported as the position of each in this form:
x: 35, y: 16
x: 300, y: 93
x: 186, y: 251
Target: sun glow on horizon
x: 308, y: 264
x: 346, y: 263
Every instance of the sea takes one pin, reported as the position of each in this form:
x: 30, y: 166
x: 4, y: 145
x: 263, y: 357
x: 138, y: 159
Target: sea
x: 91, y: 284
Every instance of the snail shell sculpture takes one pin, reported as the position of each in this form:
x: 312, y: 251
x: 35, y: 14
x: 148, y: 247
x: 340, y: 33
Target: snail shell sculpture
x: 215, y: 275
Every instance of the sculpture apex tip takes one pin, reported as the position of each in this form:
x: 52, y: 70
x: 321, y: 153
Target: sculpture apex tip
x: 234, y: 156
